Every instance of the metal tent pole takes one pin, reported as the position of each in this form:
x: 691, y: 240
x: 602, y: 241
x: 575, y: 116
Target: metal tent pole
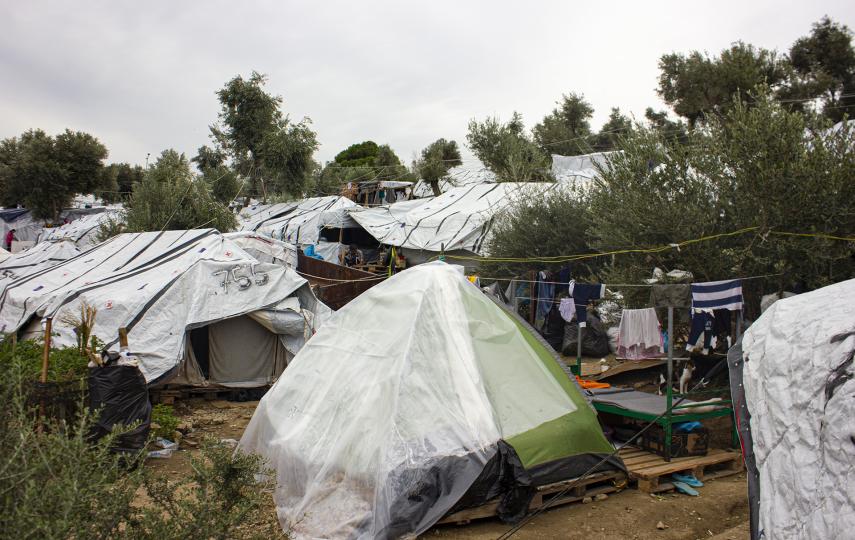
x: 669, y: 398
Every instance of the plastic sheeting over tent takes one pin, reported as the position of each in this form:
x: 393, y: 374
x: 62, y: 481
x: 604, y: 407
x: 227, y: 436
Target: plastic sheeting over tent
x: 799, y: 382
x: 299, y: 222
x: 579, y: 168
x: 418, y: 397
x: 265, y: 249
x: 459, y: 219
x: 159, y: 286
x: 34, y: 260
x: 467, y: 174
x: 83, y: 231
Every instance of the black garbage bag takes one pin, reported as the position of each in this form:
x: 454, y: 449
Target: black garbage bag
x: 121, y: 395
x: 595, y: 339
x: 554, y: 328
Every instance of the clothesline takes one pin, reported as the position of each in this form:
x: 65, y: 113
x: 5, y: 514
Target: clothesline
x: 617, y: 285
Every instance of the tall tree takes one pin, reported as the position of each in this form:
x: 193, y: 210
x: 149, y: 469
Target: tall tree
x: 170, y: 197
x: 696, y: 84
x: 617, y: 126
x: 824, y: 63
x: 262, y: 143
x: 507, y: 151
x: 44, y: 173
x: 565, y: 131
x: 118, y: 181
x: 436, y: 159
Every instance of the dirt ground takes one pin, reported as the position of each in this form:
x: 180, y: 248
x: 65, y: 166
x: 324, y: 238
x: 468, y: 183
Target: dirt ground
x: 721, y: 508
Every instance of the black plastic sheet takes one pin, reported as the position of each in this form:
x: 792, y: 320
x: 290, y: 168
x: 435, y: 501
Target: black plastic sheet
x: 121, y: 396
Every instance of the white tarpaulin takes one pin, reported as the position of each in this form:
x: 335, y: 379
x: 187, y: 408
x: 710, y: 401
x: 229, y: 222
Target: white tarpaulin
x: 265, y: 249
x: 158, y: 286
x: 472, y: 172
x: 459, y: 219
x: 800, y: 392
x: 408, y: 386
x: 579, y: 168
x: 82, y: 231
x: 299, y: 222
x: 35, y: 259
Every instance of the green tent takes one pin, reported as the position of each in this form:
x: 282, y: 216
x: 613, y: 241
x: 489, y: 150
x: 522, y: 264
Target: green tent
x: 420, y: 397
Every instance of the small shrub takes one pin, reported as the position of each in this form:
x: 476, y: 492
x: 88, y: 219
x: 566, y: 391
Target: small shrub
x: 164, y: 417
x: 221, y: 499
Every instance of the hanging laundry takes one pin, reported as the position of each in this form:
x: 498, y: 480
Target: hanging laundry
x: 639, y: 335
x: 545, y: 294
x: 583, y: 294
x: 564, y: 276
x: 702, y: 332
x: 567, y: 308
x: 717, y: 295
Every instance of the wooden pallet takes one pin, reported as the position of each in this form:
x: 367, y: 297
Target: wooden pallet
x: 653, y: 473
x: 169, y: 395
x: 605, y: 482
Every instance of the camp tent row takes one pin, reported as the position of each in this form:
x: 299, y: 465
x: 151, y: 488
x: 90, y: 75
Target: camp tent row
x: 33, y: 260
x: 459, y: 220
x: 198, y: 308
x: 420, y: 397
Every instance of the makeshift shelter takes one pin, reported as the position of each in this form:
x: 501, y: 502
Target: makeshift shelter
x: 419, y: 397
x: 797, y: 374
x: 163, y: 286
x: 84, y: 231
x: 472, y: 172
x: 34, y: 260
x: 265, y: 249
x: 580, y: 169
x: 300, y: 222
x: 458, y: 220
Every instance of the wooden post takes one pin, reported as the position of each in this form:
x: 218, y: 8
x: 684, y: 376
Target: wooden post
x: 46, y: 353
x: 43, y: 378
x: 123, y: 338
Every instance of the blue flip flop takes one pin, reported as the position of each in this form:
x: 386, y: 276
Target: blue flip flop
x: 687, y: 479
x: 685, y: 489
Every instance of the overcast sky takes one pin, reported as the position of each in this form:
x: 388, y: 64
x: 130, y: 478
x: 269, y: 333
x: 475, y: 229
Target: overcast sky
x: 141, y: 76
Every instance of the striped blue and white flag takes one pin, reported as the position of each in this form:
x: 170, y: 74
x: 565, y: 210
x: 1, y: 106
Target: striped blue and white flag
x: 717, y: 295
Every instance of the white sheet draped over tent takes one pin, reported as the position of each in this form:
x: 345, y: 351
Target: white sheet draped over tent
x: 82, y: 231
x: 579, y: 168
x: 799, y: 382
x: 158, y: 286
x: 299, y: 222
x: 467, y: 174
x: 35, y: 259
x: 459, y: 219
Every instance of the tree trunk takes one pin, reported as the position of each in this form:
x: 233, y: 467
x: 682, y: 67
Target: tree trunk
x: 434, y: 185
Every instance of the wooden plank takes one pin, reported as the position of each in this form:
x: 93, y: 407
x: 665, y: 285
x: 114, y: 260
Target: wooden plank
x: 686, y: 464
x: 642, y: 461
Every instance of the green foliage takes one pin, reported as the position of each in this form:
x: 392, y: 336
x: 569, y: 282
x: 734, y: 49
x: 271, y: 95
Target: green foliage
x: 220, y: 500
x: 824, y: 65
x: 58, y: 484
x: 263, y: 145
x: 223, y: 183
x: 508, y: 151
x: 44, y: 173
x: 359, y: 154
x: 758, y: 166
x: 615, y: 128
x: 25, y: 358
x: 167, y: 422
x: 696, y: 84
x: 170, y: 197
x: 566, y: 130
x: 436, y: 159
x: 558, y: 224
